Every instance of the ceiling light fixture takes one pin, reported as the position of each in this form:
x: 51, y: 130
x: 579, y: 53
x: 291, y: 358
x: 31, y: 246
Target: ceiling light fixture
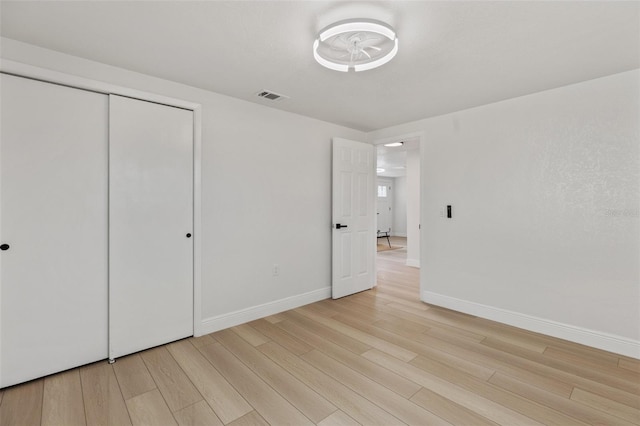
x: 358, y: 44
x: 394, y: 144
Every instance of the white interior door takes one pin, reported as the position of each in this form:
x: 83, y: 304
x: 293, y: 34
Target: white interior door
x: 384, y: 202
x: 150, y: 225
x: 354, y: 222
x: 53, y: 204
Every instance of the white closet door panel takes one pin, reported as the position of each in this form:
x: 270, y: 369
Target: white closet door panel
x: 150, y: 215
x: 53, y: 204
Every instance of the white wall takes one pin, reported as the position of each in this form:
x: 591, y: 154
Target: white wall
x: 545, y: 194
x: 413, y: 208
x: 399, y: 227
x: 260, y: 207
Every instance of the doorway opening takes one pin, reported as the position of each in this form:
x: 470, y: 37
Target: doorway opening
x: 398, y: 211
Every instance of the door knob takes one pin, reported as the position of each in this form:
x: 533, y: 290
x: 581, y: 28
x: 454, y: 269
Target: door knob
x: 188, y: 235
x: 4, y: 247
x: 338, y: 226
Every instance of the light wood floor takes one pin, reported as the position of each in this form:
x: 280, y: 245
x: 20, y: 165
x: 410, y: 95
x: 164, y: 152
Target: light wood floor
x: 376, y: 358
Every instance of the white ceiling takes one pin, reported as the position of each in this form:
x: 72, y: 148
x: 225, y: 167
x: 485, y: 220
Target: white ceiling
x: 453, y: 55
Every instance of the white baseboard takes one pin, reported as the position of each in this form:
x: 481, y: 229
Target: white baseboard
x: 413, y: 262
x: 399, y: 234
x: 220, y: 322
x: 608, y: 342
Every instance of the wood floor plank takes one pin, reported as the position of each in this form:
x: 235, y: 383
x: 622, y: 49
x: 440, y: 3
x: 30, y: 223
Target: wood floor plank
x: 1, y: 395
x: 360, y: 313
x: 631, y: 365
x: 270, y: 405
x: 103, y: 401
x: 22, y: 404
x: 607, y: 405
x: 328, y: 333
x: 476, y: 370
x: 250, y: 334
x: 585, y: 351
x: 338, y: 418
x: 545, y: 378
x: 404, y: 279
x: 481, y: 405
x: 310, y: 403
x: 449, y: 318
x: 322, y: 308
x: 532, y: 409
x: 401, y: 284
x: 593, y: 354
x: 175, y: 387
x: 434, y: 326
x: 395, y: 291
x: 414, y: 303
x: 624, y: 384
x: 225, y: 401
x: 454, y: 413
x: 355, y: 307
x: 250, y: 419
x: 285, y: 340
x: 384, y: 398
x: 549, y: 378
x: 353, y: 404
x: 380, y: 344
x: 198, y: 414
x: 611, y: 369
x: 133, y: 376
x: 394, y: 324
x: 410, y: 342
x: 375, y: 299
x: 571, y: 408
x: 201, y: 341
x: 62, y: 402
x: 471, y: 368
x: 274, y: 318
x: 454, y: 337
x: 517, y: 336
x: 387, y: 378
x: 150, y: 409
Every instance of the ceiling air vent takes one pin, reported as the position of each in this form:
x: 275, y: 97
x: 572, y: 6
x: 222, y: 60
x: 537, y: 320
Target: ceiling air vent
x: 271, y: 95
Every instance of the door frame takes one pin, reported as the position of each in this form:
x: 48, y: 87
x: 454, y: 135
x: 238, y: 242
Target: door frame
x: 422, y: 147
x: 36, y: 73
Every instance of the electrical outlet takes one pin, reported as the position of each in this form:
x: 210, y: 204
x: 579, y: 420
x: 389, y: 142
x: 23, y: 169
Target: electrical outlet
x: 276, y: 270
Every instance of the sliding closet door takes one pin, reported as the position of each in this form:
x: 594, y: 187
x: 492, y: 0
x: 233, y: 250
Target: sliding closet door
x: 53, y: 228
x: 150, y: 225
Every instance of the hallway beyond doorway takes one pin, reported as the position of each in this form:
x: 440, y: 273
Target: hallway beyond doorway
x: 394, y: 254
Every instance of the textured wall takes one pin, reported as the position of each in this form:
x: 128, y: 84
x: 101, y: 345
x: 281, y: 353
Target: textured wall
x: 545, y: 194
